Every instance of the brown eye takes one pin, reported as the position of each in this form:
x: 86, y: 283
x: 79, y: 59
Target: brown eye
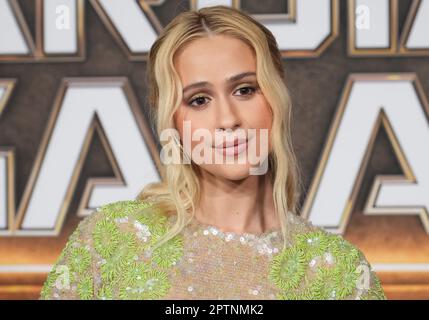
x: 246, y: 91
x: 199, y: 100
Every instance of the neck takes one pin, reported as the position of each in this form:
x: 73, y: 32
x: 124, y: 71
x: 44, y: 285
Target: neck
x: 237, y: 206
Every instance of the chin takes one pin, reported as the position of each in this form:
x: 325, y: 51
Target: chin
x: 231, y: 171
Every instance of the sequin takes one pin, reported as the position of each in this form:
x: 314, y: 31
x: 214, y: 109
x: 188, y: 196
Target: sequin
x: 262, y: 244
x: 117, y: 261
x: 329, y: 258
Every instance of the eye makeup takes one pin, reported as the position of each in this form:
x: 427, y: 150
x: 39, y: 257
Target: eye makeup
x: 253, y: 87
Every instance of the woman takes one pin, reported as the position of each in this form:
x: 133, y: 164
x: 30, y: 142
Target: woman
x: 214, y: 229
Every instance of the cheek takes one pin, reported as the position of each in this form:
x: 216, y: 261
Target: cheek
x: 262, y: 120
x: 187, y: 122
x: 182, y: 121
x: 266, y: 119
x: 261, y: 116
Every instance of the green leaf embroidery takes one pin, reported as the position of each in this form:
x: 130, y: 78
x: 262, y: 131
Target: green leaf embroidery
x: 324, y: 287
x: 106, y: 237
x: 288, y: 296
x: 335, y: 279
x: 135, y: 272
x: 152, y: 218
x: 150, y: 285
x: 169, y: 253
x: 121, y: 257
x: 121, y: 209
x: 48, y: 285
x: 313, y: 243
x: 346, y: 278
x: 344, y: 251
x: 105, y: 292
x: 80, y: 259
x: 85, y: 288
x: 288, y: 268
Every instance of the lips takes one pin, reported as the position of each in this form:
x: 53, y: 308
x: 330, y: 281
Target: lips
x: 228, y: 144
x: 231, y: 148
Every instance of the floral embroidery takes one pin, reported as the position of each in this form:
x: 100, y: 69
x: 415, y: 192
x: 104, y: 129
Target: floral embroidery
x: 344, y: 250
x: 169, y: 253
x: 119, y: 250
x: 106, y: 237
x: 135, y: 272
x: 134, y: 207
x: 85, y: 288
x: 80, y: 259
x: 288, y: 268
x: 313, y: 244
x: 122, y: 256
x: 148, y: 285
x: 62, y: 274
x: 346, y: 278
x: 334, y: 277
x: 325, y: 285
x: 154, y: 219
x: 47, y: 288
x: 319, y: 265
x: 288, y: 296
x: 105, y: 292
x: 121, y: 209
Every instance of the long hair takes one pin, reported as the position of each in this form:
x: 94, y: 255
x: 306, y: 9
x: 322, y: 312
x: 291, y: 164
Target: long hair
x: 179, y: 190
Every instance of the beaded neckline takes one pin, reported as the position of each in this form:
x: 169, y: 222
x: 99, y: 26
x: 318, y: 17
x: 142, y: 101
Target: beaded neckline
x: 262, y: 242
x: 206, y: 226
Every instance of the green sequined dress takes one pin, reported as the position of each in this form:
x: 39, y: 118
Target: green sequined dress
x: 108, y: 256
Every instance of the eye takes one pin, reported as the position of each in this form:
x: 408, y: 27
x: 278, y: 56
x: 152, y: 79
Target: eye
x: 246, y: 91
x: 199, y: 100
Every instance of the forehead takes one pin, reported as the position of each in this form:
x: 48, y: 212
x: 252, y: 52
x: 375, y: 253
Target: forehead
x: 217, y: 57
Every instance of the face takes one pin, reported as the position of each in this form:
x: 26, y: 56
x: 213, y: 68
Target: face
x: 224, y: 120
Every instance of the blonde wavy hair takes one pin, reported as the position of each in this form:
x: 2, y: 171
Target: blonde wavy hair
x: 179, y: 189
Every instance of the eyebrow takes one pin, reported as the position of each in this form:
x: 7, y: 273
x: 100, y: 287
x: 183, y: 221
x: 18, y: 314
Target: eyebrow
x: 228, y: 80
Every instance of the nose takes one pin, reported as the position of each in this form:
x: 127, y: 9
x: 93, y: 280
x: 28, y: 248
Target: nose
x: 227, y: 116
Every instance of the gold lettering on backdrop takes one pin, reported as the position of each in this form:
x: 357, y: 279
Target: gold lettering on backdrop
x: 27, y: 53
x: 37, y: 52
x: 136, y: 50
x: 286, y: 28
x: 78, y: 24
x: 135, y: 47
x: 363, y: 109
x: 32, y: 219
x: 405, y: 48
x: 7, y: 166
x: 289, y: 16
x: 366, y: 22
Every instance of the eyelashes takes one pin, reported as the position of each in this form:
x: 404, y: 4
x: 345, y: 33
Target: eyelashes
x: 201, y: 98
